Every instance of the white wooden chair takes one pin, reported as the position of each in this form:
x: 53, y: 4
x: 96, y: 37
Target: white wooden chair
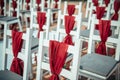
x: 24, y: 11
x: 77, y: 8
x: 41, y: 5
x: 61, y: 27
x: 35, y: 26
x: 23, y: 55
x: 8, y: 20
x: 54, y: 10
x: 43, y: 64
x: 100, y: 67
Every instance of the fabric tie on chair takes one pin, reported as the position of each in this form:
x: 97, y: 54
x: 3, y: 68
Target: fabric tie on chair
x: 107, y: 2
x: 46, y: 3
x: 41, y: 19
x: 95, y: 2
x: 17, y: 64
x: 14, y: 5
x: 104, y: 29
x: 56, y: 5
x: 69, y: 24
x: 99, y: 13
x: 2, y: 5
x: 57, y: 56
x: 38, y: 2
x: 27, y: 6
x: 71, y: 9
x: 116, y: 9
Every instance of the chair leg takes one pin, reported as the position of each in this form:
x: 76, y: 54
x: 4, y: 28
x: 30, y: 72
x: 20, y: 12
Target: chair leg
x: 117, y: 76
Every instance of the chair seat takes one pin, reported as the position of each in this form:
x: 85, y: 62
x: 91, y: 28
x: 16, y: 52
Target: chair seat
x: 24, y: 11
x: 8, y: 75
x: 103, y: 65
x: 2, y: 16
x: 85, y: 33
x: 52, y: 9
x: 8, y: 19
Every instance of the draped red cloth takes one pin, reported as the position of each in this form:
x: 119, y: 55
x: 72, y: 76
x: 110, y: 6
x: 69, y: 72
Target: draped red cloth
x: 57, y: 56
x: 104, y: 29
x: 38, y: 1
x: 69, y: 24
x: 116, y: 9
x: 99, y: 13
x: 107, y: 2
x: 71, y: 9
x: 41, y: 19
x: 17, y: 64
x: 95, y: 2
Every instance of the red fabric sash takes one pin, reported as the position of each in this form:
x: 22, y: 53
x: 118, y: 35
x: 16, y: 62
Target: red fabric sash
x: 69, y: 24
x: 41, y: 19
x: 104, y: 29
x: 99, y: 12
x: 27, y: 6
x: 57, y: 56
x: 56, y: 5
x: 116, y: 9
x: 38, y: 2
x: 17, y: 64
x: 2, y: 3
x: 95, y: 2
x: 107, y: 2
x: 71, y: 9
x: 45, y: 3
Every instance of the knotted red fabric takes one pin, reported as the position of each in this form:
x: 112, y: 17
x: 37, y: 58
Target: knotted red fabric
x: 107, y: 2
x: 38, y: 2
x: 71, y: 9
x: 57, y: 56
x: 104, y: 29
x: 56, y: 5
x: 99, y: 13
x: 95, y: 2
x: 69, y: 24
x: 41, y: 19
x: 116, y: 9
x: 17, y: 64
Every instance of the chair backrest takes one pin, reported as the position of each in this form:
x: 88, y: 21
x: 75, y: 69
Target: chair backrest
x: 14, y: 8
x: 25, y: 4
x: 71, y: 74
x: 88, y: 7
x: 53, y: 3
x: 23, y: 55
x: 3, y: 7
x: 111, y: 39
x: 77, y: 8
x: 42, y: 4
x: 61, y: 26
x: 34, y: 25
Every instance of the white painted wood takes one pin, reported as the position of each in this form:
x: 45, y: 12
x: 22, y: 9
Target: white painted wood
x: 25, y: 56
x: 74, y: 50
